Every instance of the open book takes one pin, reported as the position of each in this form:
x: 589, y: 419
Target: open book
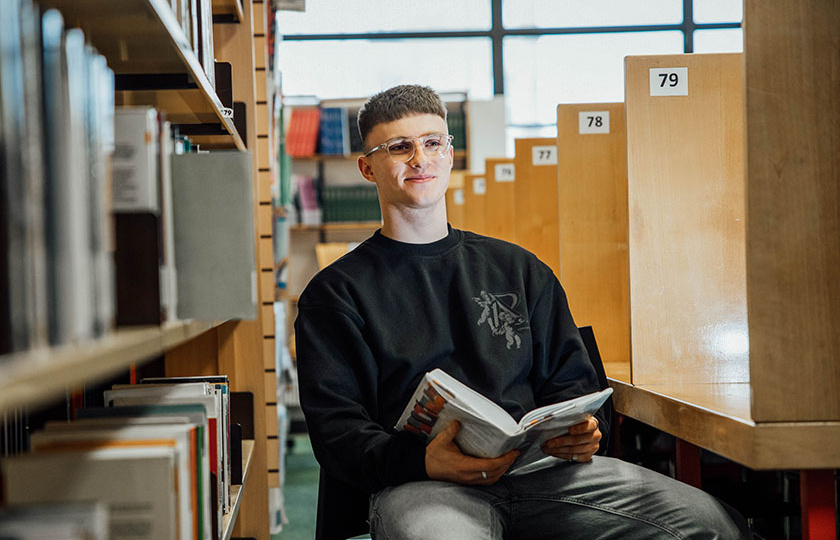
x: 487, y: 430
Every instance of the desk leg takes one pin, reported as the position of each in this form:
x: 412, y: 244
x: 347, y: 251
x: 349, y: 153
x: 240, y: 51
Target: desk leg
x: 817, y: 495
x: 688, y: 463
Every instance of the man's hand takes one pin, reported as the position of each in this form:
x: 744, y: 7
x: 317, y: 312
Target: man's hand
x: 580, y: 444
x: 445, y: 461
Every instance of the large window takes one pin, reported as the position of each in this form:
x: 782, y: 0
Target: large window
x: 591, y: 13
x: 375, y: 16
x: 719, y: 41
x: 538, y: 53
x: 717, y: 11
x: 541, y: 72
x: 333, y: 69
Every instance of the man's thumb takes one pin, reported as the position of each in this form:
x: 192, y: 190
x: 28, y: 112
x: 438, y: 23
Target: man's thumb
x: 450, y: 431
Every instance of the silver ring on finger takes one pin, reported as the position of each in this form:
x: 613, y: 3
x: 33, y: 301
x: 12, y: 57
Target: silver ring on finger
x: 574, y: 457
x: 484, y: 475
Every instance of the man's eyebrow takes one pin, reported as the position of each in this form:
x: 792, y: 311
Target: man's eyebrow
x: 416, y: 136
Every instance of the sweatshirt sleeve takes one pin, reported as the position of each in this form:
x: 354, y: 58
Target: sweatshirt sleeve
x: 338, y: 388
x: 562, y: 368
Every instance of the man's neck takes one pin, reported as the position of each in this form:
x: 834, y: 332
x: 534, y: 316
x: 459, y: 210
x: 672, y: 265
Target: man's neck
x: 415, y: 227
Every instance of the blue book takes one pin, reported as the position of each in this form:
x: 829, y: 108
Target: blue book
x: 333, y: 132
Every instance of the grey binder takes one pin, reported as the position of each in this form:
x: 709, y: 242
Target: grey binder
x: 213, y: 218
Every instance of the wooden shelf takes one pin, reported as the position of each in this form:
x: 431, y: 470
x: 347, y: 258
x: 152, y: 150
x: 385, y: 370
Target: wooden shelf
x: 143, y: 37
x: 716, y: 417
x: 229, y: 519
x: 34, y: 377
x: 619, y: 371
x: 227, y: 11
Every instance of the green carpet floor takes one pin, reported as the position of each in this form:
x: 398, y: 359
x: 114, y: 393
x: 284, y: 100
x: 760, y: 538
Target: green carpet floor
x: 301, y: 491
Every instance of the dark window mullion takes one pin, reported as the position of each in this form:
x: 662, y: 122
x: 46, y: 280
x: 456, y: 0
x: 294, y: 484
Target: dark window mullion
x: 497, y: 33
x: 688, y: 26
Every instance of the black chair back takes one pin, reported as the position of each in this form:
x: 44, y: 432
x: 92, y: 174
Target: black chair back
x: 607, y: 442
x: 342, y: 509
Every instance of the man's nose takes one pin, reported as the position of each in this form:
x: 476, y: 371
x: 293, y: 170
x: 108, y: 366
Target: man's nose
x: 419, y: 156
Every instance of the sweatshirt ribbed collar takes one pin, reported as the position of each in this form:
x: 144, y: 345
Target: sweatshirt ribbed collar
x: 394, y: 247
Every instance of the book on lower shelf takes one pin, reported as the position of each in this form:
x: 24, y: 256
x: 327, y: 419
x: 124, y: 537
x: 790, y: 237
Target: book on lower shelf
x: 138, y: 484
x: 307, y: 200
x: 214, y: 398
x: 70, y: 521
x: 183, y: 437
x: 487, y: 430
x: 350, y: 204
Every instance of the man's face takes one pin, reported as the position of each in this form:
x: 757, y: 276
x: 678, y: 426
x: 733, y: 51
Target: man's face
x: 418, y: 183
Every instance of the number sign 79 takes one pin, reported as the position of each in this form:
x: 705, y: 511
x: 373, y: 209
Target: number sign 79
x: 669, y: 81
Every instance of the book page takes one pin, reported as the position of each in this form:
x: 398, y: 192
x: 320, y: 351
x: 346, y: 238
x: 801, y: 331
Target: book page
x: 440, y: 399
x: 558, y: 410
x: 469, y: 399
x: 547, y: 424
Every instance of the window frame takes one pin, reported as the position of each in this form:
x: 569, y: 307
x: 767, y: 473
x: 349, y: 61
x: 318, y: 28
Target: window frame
x: 498, y: 32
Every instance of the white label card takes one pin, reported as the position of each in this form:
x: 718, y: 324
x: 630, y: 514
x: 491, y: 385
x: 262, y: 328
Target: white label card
x: 505, y: 172
x: 593, y: 122
x: 544, y: 155
x: 669, y: 81
x: 458, y: 196
x: 479, y: 186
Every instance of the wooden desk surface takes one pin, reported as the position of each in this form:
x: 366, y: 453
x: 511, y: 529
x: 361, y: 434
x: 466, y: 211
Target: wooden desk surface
x: 716, y: 417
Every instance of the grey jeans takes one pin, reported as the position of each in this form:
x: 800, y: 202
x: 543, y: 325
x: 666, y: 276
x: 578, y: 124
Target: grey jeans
x: 605, y: 498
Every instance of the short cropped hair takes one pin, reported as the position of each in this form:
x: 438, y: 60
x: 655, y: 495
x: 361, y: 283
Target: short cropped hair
x: 399, y: 102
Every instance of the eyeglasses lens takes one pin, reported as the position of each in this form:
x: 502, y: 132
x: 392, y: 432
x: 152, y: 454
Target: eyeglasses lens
x: 435, y: 145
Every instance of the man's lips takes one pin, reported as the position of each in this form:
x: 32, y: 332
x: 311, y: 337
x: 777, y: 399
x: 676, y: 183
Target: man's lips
x: 420, y: 178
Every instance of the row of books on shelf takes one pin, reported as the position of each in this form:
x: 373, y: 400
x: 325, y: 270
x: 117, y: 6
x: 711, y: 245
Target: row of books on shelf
x: 56, y: 106
x: 158, y: 461
x: 316, y: 203
x: 99, y: 205
x: 184, y: 226
x: 334, y: 131
x: 196, y: 20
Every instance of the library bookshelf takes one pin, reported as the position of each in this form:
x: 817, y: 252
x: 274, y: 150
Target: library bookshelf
x: 155, y: 64
x: 33, y: 378
x: 229, y: 521
x: 699, y: 237
x: 731, y: 249
x: 700, y: 293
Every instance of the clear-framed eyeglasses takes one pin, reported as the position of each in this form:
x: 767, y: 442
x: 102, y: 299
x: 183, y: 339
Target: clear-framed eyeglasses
x: 402, y: 149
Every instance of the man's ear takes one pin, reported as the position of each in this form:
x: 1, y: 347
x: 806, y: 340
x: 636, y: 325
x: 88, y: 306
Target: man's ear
x: 365, y: 169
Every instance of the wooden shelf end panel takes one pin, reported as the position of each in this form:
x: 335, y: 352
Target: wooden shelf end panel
x: 715, y: 417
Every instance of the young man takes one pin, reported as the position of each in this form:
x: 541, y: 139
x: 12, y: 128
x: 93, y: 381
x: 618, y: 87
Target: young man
x: 414, y: 297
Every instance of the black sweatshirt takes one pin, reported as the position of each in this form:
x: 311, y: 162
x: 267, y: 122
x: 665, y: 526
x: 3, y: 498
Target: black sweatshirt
x: 370, y: 325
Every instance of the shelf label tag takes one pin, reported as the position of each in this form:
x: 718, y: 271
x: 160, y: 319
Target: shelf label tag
x: 544, y: 155
x: 669, y: 81
x: 458, y: 196
x: 593, y: 122
x: 479, y: 186
x: 505, y: 172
